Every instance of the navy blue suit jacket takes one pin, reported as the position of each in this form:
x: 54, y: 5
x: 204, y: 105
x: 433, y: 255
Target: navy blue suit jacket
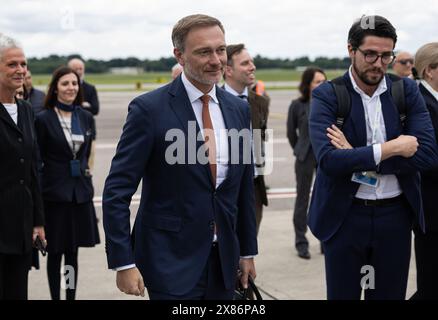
x: 333, y: 191
x: 57, y: 183
x: 174, y: 223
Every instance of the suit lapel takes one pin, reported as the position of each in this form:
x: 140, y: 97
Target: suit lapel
x: 5, y: 117
x: 181, y: 106
x: 229, y: 110
x: 390, y: 113
x: 357, y: 114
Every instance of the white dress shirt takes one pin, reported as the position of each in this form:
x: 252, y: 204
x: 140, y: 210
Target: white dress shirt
x: 220, y: 130
x: 388, y: 185
x: 235, y: 93
x: 12, y: 109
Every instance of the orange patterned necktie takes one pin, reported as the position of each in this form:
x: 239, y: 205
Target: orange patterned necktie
x: 210, y: 141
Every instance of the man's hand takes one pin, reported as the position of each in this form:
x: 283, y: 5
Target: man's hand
x: 130, y: 281
x: 405, y: 146
x: 337, y: 138
x: 247, y: 267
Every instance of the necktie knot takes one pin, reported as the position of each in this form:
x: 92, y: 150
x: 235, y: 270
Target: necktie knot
x: 205, y: 99
x: 242, y: 96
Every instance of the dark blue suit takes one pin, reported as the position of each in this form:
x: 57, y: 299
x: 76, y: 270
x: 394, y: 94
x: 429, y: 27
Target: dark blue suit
x: 332, y: 209
x: 179, y: 204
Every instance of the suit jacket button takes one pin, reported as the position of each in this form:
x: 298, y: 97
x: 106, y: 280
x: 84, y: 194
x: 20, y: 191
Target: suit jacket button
x: 20, y: 140
x: 21, y: 181
x: 212, y: 225
x: 21, y: 160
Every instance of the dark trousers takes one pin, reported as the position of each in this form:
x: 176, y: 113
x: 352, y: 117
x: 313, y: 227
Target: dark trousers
x: 209, y: 287
x: 426, y: 256
x: 304, y: 171
x: 370, y: 237
x: 14, y: 270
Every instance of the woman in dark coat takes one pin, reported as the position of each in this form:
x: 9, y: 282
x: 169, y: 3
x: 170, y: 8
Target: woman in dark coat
x: 21, y: 209
x: 426, y: 244
x: 64, y: 133
x: 305, y: 162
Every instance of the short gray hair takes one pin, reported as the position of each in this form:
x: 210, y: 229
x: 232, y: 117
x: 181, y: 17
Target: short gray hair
x: 183, y: 27
x: 7, y: 43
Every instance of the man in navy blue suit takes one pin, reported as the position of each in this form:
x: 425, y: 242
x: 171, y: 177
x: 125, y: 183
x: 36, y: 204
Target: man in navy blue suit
x: 366, y: 195
x: 195, y: 227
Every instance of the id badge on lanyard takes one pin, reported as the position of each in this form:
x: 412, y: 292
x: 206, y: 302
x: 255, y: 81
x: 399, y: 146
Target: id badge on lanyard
x: 369, y: 178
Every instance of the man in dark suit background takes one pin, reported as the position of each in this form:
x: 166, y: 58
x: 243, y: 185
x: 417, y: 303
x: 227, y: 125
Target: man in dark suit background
x: 34, y: 96
x: 196, y: 222
x: 239, y: 81
x: 91, y: 100
x: 367, y: 189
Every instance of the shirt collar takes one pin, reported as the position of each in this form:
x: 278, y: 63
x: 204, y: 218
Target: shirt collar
x: 194, y: 93
x: 430, y: 89
x: 234, y: 92
x: 380, y: 89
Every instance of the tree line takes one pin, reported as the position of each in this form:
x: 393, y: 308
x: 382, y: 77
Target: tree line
x: 48, y: 64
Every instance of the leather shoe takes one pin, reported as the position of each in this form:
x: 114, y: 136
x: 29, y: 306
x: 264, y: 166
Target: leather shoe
x: 304, y: 254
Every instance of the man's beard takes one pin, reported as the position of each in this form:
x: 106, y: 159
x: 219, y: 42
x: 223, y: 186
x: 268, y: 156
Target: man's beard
x: 363, y: 75
x: 192, y: 74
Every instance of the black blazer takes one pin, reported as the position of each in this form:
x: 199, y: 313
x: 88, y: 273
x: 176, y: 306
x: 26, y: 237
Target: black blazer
x: 429, y: 179
x: 90, y: 96
x: 57, y: 183
x: 298, y: 128
x: 21, y: 206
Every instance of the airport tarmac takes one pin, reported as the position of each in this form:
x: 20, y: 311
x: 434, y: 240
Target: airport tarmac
x: 281, y: 274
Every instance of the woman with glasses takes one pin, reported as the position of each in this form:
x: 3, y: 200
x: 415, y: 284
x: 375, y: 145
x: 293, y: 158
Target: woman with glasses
x: 21, y: 206
x: 426, y: 244
x: 64, y: 132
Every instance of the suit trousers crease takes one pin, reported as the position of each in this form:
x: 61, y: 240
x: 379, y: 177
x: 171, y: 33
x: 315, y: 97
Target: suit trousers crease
x: 304, y: 171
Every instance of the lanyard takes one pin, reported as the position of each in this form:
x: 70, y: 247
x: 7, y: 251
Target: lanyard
x: 74, y: 151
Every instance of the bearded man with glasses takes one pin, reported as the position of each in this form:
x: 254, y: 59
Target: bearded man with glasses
x: 366, y: 195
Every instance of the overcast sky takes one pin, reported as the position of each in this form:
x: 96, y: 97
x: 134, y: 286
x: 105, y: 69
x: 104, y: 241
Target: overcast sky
x: 141, y: 28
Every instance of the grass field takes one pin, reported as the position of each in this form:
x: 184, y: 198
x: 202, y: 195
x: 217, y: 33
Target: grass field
x: 270, y: 75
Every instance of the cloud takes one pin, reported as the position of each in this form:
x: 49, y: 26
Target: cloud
x: 286, y: 29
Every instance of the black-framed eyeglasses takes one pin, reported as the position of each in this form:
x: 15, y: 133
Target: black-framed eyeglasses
x: 372, y: 56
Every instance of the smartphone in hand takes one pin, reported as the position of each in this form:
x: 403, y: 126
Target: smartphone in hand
x: 40, y: 245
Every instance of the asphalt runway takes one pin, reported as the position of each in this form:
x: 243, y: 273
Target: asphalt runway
x: 281, y: 274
